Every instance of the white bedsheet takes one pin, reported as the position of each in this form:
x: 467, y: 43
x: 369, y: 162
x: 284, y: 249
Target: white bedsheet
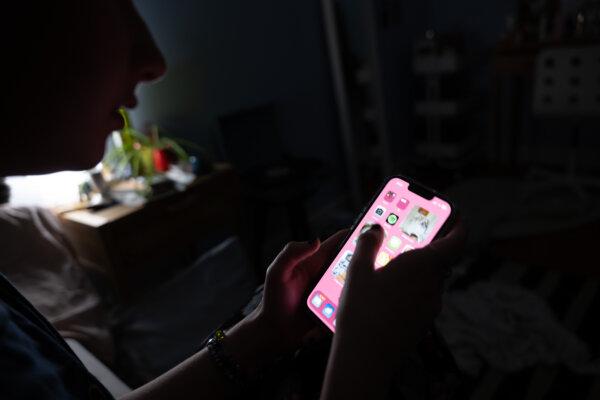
x: 36, y: 258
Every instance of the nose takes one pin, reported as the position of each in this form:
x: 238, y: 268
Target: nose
x: 148, y: 61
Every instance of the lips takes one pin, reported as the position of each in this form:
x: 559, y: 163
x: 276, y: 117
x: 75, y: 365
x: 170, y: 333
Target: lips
x: 127, y: 101
x: 131, y: 102
x: 116, y: 121
x: 116, y: 118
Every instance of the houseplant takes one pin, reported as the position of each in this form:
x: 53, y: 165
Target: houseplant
x: 135, y: 154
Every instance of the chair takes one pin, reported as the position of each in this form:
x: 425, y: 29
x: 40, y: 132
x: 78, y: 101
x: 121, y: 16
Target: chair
x: 271, y: 176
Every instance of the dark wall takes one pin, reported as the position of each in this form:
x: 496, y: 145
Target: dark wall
x: 228, y: 55
x: 402, y: 23
x: 482, y: 24
x: 483, y: 21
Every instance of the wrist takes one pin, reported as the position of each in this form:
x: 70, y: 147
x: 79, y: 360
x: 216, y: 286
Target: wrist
x: 356, y: 369
x: 251, y: 344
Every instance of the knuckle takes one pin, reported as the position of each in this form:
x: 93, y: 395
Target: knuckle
x: 290, y: 247
x: 431, y: 259
x: 287, y: 247
x: 270, y: 273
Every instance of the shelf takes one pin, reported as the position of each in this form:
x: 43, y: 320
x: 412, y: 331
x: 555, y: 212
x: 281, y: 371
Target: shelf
x: 443, y: 150
x: 445, y: 108
x: 436, y: 64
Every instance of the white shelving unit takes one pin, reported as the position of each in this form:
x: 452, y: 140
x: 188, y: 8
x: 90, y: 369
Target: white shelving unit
x: 433, y: 65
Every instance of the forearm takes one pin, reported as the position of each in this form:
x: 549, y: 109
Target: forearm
x: 355, y: 371
x: 199, y: 376
x: 194, y: 377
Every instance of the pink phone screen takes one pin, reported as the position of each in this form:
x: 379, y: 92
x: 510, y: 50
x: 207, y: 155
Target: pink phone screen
x: 409, y: 222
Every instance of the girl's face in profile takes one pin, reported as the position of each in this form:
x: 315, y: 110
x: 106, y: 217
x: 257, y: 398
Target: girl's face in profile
x: 83, y: 66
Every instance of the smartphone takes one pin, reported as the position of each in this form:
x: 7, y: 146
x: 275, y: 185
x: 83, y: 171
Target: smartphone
x: 411, y: 216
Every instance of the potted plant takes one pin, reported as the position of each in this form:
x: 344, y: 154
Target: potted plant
x: 134, y: 154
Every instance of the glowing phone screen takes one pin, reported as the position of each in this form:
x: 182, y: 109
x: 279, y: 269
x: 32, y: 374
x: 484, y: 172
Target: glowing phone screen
x: 409, y: 222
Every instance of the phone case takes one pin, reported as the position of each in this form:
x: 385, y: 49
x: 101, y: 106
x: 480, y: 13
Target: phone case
x: 342, y: 258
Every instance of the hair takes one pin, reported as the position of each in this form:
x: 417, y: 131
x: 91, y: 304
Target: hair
x: 26, y: 45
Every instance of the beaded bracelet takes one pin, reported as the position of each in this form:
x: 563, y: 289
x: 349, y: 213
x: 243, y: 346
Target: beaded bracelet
x: 230, y: 368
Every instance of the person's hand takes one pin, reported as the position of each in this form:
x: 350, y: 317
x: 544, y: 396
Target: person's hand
x: 389, y: 309
x: 281, y: 314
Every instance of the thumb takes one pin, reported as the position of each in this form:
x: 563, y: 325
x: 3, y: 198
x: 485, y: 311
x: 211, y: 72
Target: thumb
x: 363, y: 259
x: 293, y: 253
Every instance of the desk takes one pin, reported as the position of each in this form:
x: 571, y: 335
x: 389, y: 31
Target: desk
x: 133, y: 244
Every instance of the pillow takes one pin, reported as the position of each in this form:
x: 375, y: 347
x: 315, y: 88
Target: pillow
x: 38, y: 260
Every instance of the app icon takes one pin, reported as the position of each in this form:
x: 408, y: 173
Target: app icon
x: 392, y: 219
x: 339, y: 270
x: 403, y: 203
x: 418, y: 224
x: 328, y: 310
x: 317, y: 300
x: 394, y: 243
x: 382, y: 259
x: 379, y: 211
x: 408, y: 247
x: 389, y: 196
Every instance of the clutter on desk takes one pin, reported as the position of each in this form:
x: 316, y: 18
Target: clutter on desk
x: 139, y: 166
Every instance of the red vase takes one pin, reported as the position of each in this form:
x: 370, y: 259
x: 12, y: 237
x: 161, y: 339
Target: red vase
x: 161, y: 160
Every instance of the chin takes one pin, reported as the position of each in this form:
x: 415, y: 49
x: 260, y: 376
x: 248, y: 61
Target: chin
x: 83, y: 156
x: 83, y: 163
x: 78, y: 161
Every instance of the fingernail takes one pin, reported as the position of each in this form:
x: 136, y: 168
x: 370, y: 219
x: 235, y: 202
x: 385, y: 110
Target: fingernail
x: 375, y: 227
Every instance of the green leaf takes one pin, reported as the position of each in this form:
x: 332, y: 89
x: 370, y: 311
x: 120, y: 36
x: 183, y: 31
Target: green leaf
x: 181, y: 153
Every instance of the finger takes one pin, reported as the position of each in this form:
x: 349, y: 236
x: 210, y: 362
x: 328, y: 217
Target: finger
x: 292, y: 254
x: 363, y: 259
x: 326, y: 252
x: 317, y: 334
x: 436, y: 257
x: 450, y: 247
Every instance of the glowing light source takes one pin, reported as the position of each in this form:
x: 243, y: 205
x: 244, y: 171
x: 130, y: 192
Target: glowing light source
x: 57, y: 189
